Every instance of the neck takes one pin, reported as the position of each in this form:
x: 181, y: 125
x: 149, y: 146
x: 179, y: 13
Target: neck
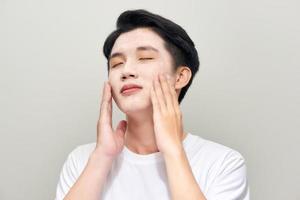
x: 140, y: 136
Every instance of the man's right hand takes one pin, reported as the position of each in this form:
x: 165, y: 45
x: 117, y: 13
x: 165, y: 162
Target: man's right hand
x: 109, y: 142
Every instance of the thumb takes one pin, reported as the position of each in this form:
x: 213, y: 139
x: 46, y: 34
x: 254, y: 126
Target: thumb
x: 121, y: 128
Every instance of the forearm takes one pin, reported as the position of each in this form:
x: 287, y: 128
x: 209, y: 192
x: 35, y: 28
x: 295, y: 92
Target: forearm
x: 180, y: 177
x: 90, y: 183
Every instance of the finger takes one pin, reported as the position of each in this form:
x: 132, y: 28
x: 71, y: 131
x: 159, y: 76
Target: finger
x: 154, y: 100
x: 174, y: 97
x: 159, y: 95
x: 121, y: 128
x: 106, y: 106
x: 167, y: 93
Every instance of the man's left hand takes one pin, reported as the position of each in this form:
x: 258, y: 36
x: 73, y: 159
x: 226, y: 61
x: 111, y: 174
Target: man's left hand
x: 167, y: 116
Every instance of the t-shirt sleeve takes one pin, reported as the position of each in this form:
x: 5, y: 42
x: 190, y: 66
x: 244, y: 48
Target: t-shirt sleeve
x: 230, y: 182
x: 68, y: 175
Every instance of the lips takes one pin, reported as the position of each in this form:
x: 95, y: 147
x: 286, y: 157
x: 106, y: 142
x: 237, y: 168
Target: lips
x: 130, y: 86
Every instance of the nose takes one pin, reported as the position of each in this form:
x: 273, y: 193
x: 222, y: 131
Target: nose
x: 128, y: 71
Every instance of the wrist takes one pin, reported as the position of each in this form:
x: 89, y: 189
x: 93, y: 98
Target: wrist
x: 100, y: 160
x: 175, y: 152
x: 97, y: 168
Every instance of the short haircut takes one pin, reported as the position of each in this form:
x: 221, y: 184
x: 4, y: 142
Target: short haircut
x: 177, y: 42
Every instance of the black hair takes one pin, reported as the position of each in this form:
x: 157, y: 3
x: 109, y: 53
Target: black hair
x: 177, y: 41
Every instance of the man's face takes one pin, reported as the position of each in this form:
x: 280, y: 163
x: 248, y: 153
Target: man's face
x: 139, y: 56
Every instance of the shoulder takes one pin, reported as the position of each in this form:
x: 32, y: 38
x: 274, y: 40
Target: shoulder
x: 215, y: 158
x: 80, y: 154
x: 212, y: 150
x: 216, y: 165
x: 82, y: 151
x: 72, y: 168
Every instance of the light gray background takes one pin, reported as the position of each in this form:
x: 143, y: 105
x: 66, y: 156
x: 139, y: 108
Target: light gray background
x: 246, y: 94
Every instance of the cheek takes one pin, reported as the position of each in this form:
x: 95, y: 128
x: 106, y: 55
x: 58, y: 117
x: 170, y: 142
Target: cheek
x: 156, y: 68
x: 114, y: 89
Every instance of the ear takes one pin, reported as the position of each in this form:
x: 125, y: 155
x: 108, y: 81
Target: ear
x: 183, y: 76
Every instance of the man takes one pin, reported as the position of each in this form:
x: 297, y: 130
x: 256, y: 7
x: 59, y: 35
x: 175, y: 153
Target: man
x: 151, y: 64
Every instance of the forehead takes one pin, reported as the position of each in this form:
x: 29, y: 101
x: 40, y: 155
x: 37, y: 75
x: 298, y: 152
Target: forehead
x: 130, y: 41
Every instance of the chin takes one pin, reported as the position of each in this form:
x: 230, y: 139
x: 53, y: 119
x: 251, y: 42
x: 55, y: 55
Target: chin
x: 134, y: 105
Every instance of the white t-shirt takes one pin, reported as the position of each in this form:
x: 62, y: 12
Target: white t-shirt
x: 219, y: 170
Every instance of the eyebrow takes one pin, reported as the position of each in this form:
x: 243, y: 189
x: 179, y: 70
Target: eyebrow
x: 141, y: 48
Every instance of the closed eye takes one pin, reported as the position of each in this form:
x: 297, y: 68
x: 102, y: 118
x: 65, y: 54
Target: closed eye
x: 139, y: 59
x: 116, y: 65
x: 146, y: 58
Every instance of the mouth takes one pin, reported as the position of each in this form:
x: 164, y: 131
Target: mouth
x: 130, y: 91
